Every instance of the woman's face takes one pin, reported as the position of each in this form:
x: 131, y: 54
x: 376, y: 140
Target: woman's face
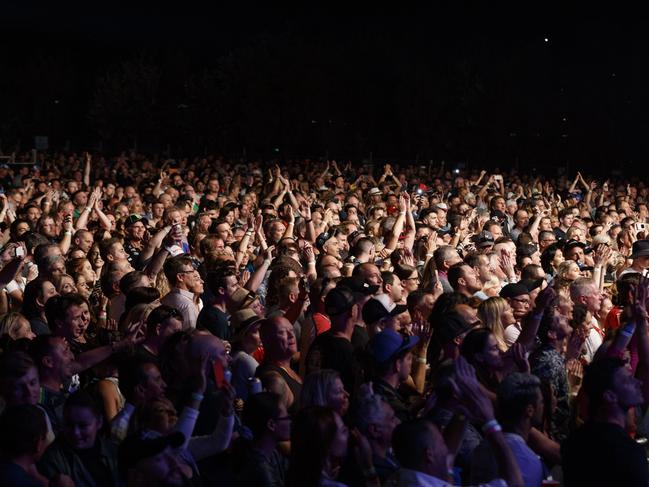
x: 411, y: 283
x: 83, y: 287
x: 67, y: 286
x: 80, y: 428
x: 88, y: 272
x: 572, y: 273
x: 507, y: 317
x: 339, y: 443
x: 23, y: 330
x: 491, y: 354
x: 558, y: 259
x: 338, y: 398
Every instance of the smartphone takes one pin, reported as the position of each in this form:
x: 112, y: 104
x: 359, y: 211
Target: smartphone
x: 498, y: 177
x: 20, y: 252
x: 219, y: 374
x: 640, y: 227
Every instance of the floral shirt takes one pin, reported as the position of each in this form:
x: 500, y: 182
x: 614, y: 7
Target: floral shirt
x: 549, y: 365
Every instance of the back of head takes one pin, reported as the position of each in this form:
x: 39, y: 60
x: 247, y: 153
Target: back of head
x: 317, y: 386
x: 515, y: 393
x: 23, y: 427
x: 410, y: 441
x: 599, y: 377
x: 581, y: 287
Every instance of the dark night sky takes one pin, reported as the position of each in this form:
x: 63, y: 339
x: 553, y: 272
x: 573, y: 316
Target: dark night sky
x: 592, y: 71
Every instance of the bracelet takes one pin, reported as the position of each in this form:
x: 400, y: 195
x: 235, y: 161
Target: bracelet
x: 68, y: 232
x: 197, y: 396
x: 308, y: 220
x: 421, y: 360
x: 491, y: 426
x: 88, y: 208
x: 628, y: 330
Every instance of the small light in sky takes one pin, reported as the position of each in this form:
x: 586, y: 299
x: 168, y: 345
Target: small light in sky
x: 546, y: 40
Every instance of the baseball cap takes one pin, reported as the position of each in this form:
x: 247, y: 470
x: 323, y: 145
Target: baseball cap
x: 449, y: 326
x: 136, y: 448
x: 442, y: 206
x: 381, y: 307
x: 322, y: 239
x: 484, y: 239
x: 338, y: 301
x: 357, y: 285
x: 513, y: 290
x: 387, y: 344
x: 640, y: 248
x: 132, y: 219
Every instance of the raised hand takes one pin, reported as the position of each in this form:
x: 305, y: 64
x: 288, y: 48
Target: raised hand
x: 468, y: 389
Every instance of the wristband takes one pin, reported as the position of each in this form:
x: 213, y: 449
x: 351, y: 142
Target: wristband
x: 421, y: 360
x: 308, y: 220
x: 628, y: 329
x: 197, y: 396
x: 68, y: 232
x: 88, y: 208
x: 491, y: 426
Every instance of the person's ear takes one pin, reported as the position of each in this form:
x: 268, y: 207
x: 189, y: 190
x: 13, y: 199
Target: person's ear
x: 271, y: 425
x: 530, y: 410
x: 47, y: 361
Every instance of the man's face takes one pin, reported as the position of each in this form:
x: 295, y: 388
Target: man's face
x: 372, y: 274
x: 166, y: 469
x: 33, y: 214
x: 284, y: 338
x: 471, y: 280
x: 404, y: 366
x: 396, y: 292
x: 154, y: 385
x: 483, y: 269
x: 593, y: 299
x: 496, y: 231
x: 48, y: 228
x: 170, y: 326
x: 567, y: 220
x: 74, y: 325
x: 576, y: 254
x: 191, y: 279
x: 431, y: 220
x: 118, y: 253
x: 136, y: 231
x: 231, y: 285
x: 520, y: 305
x: 332, y: 247
x: 85, y: 241
x: 23, y: 390
x: 522, y: 219
x: 61, y: 358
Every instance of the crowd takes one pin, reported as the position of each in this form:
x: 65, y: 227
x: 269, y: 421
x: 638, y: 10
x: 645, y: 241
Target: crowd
x: 301, y: 323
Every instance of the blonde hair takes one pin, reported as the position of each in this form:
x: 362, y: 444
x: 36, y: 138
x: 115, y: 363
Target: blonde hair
x: 10, y: 325
x: 490, y: 313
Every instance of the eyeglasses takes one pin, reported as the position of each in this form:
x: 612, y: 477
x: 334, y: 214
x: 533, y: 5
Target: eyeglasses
x: 526, y: 302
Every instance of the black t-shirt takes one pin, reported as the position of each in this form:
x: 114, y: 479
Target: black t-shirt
x: 259, y: 471
x: 98, y: 470
x: 603, y: 454
x: 215, y: 321
x: 337, y: 353
x: 13, y: 474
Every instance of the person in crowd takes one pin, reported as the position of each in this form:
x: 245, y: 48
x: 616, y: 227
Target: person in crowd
x: 324, y: 388
x: 270, y: 424
x: 186, y: 289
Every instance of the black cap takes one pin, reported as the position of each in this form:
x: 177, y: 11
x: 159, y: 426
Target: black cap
x: 357, y: 285
x: 132, y: 219
x: 322, y: 239
x: 640, y: 248
x: 381, y: 307
x: 484, y: 239
x: 338, y: 301
x: 532, y: 284
x: 574, y: 243
x: 135, y: 448
x: 449, y: 326
x: 514, y: 290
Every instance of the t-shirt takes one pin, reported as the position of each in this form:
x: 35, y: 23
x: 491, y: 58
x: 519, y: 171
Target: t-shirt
x: 293, y: 385
x: 215, y: 321
x: 12, y: 474
x: 259, y: 471
x: 603, y: 454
